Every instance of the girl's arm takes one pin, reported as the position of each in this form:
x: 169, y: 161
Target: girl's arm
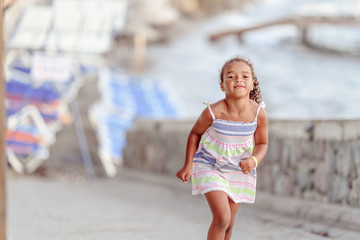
x: 261, y: 137
x: 261, y: 144
x: 200, y: 126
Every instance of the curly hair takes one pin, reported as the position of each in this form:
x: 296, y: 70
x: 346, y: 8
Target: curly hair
x: 255, y: 94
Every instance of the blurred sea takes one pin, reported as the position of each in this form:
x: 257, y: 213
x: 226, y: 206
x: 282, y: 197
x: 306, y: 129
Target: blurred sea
x: 296, y: 82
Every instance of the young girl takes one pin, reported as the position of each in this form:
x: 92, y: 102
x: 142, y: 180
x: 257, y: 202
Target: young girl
x: 225, y: 146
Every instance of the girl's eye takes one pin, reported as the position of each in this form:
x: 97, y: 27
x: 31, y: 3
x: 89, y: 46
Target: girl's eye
x: 245, y: 77
x: 230, y: 76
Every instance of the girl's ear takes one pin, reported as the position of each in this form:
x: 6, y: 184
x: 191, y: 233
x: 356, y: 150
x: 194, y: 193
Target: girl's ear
x: 222, y: 86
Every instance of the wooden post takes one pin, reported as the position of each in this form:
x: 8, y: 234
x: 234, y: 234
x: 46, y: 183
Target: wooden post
x: 304, y: 35
x: 2, y: 132
x: 140, y: 42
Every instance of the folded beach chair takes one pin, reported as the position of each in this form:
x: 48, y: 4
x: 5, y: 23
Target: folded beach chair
x: 45, y: 98
x: 62, y: 71
x: 32, y: 29
x: 86, y: 26
x: 124, y: 98
x: 152, y: 100
x: 36, y: 112
x: 111, y: 125
x: 144, y: 96
x: 27, y: 140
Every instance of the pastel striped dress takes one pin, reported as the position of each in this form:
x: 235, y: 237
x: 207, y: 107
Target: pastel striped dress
x: 216, y: 162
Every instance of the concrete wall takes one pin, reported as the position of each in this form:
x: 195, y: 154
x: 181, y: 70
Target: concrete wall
x: 317, y: 160
x: 157, y: 146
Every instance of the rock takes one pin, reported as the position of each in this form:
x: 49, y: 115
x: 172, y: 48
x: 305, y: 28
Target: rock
x: 264, y: 178
x: 355, y: 149
x: 304, y: 173
x: 285, y: 153
x: 354, y: 160
x: 147, y: 16
x: 295, y: 154
x: 338, y: 189
x: 329, y: 157
x: 283, y: 185
x: 274, y: 149
x: 342, y: 160
x: 320, y: 178
x: 317, y: 149
x: 354, y: 195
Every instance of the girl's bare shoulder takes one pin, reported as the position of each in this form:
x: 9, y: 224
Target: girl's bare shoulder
x: 262, y: 114
x: 218, y: 107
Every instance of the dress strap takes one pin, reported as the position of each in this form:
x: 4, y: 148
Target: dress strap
x: 262, y: 105
x: 210, y: 110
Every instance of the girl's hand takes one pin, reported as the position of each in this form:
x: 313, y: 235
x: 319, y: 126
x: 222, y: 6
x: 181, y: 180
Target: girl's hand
x: 247, y: 165
x: 184, y: 173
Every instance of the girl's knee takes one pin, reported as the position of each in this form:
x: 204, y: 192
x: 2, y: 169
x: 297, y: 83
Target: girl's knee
x: 222, y: 220
x: 230, y: 227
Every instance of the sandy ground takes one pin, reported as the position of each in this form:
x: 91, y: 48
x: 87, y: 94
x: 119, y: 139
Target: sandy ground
x: 135, y: 205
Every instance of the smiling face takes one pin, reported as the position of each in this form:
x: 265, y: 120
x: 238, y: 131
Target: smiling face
x: 236, y: 79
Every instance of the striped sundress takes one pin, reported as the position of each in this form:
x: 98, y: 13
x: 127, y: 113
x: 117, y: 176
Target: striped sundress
x: 216, y: 162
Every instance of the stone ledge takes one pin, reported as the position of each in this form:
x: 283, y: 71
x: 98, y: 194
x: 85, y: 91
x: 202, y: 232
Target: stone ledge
x: 337, y: 130
x: 329, y: 214
x: 304, y: 160
x: 342, y: 217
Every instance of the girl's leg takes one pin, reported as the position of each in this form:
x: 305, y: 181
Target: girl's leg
x: 219, y: 205
x: 233, y: 208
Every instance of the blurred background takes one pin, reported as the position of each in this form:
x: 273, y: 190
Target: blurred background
x: 80, y: 74
x: 136, y: 59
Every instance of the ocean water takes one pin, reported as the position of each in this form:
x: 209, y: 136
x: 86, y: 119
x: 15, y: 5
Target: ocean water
x: 296, y: 82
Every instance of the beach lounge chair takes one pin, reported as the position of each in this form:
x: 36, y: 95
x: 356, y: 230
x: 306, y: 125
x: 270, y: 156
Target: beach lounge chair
x: 27, y: 140
x: 124, y: 98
